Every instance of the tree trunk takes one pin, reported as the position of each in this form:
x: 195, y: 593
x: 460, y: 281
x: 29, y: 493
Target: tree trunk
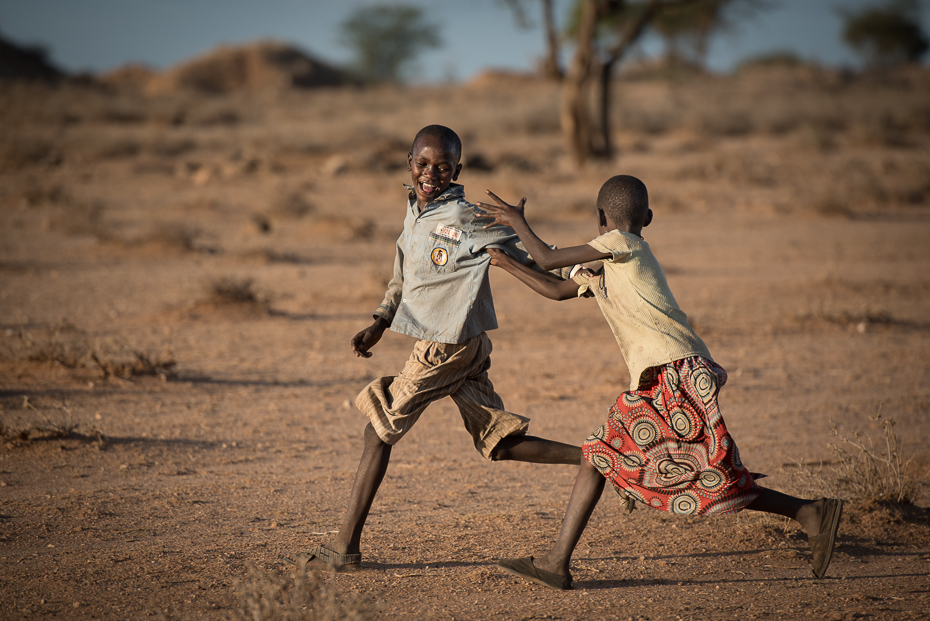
x: 574, y: 116
x: 614, y: 54
x: 606, y: 150
x: 552, y: 68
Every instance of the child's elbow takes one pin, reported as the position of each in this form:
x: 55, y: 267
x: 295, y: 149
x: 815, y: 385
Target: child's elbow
x: 560, y: 293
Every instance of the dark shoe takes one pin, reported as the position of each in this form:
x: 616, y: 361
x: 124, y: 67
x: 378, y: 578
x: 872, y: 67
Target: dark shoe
x: 525, y: 568
x: 822, y: 543
x: 323, y: 558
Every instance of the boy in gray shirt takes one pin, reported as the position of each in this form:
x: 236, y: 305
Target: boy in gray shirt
x: 440, y: 295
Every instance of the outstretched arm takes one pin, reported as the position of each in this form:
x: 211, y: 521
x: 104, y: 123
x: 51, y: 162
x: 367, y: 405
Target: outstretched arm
x: 542, y: 283
x: 383, y: 317
x: 547, y: 258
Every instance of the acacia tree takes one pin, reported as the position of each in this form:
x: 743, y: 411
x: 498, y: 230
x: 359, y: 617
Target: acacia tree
x: 605, y: 30
x: 886, y: 34
x: 688, y: 29
x: 551, y: 65
x: 386, y: 38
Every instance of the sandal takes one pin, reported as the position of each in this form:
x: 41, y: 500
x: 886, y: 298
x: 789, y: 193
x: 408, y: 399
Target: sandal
x: 823, y: 542
x: 525, y: 568
x: 322, y: 557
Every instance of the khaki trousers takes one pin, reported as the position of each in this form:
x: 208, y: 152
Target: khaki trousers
x: 434, y: 371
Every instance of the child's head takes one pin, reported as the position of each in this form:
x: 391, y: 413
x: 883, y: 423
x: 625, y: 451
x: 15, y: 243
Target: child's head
x: 624, y: 201
x: 433, y: 162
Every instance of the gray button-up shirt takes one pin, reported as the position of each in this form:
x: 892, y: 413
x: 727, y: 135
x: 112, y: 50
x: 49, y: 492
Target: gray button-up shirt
x: 440, y: 290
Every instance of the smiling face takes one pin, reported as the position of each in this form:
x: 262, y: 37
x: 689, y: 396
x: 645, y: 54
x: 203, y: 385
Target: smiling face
x: 433, y: 165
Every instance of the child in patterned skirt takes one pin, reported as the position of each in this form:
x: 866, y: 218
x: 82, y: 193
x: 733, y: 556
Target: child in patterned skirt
x: 665, y: 443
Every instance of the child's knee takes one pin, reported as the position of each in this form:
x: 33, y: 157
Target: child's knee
x: 372, y: 438
x: 498, y: 453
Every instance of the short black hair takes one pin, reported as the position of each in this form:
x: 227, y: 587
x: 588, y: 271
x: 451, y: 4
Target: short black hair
x: 443, y: 133
x: 625, y: 200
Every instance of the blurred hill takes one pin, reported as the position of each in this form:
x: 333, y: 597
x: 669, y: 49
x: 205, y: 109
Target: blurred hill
x: 262, y: 65
x: 20, y: 63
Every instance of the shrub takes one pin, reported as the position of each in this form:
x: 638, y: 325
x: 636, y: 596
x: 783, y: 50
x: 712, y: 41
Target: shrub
x: 867, y: 470
x: 873, y: 471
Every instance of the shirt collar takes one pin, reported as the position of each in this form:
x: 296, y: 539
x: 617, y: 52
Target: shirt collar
x: 455, y: 190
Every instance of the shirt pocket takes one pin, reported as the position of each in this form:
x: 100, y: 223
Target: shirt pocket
x: 443, y: 248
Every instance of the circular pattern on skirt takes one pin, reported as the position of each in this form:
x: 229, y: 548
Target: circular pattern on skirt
x: 672, y: 379
x: 644, y: 432
x: 631, y: 400
x: 684, y: 504
x: 680, y: 422
x: 704, y: 383
x: 659, y: 403
x: 600, y: 462
x: 631, y: 461
x: 736, y: 458
x: 671, y: 468
x: 598, y: 434
x: 710, y: 479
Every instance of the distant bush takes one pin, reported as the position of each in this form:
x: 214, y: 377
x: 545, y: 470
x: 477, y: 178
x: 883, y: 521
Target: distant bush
x: 773, y: 59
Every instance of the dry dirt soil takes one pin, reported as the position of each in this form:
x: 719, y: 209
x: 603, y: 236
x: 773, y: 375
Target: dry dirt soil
x: 180, y: 277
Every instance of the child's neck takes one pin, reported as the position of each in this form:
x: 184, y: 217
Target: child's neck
x: 632, y: 230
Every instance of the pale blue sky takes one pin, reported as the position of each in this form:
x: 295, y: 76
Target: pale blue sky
x: 98, y: 35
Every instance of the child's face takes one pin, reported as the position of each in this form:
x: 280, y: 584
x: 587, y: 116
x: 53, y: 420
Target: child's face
x: 433, y: 166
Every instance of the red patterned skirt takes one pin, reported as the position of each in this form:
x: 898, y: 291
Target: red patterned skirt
x: 666, y: 445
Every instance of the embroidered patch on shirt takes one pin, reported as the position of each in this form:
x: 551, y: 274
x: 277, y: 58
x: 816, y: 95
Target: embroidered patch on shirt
x: 439, y: 256
x: 448, y: 234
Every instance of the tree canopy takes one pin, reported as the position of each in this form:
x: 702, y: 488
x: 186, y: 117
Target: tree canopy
x: 886, y: 34
x: 386, y: 39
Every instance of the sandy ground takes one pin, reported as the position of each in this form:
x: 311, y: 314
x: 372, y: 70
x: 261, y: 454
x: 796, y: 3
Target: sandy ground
x: 155, y: 493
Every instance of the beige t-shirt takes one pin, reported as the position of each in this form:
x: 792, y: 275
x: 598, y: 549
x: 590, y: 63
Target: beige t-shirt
x: 634, y: 296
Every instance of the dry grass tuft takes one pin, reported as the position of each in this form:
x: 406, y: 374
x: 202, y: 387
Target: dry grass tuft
x: 39, y: 192
x: 171, y: 235
x: 229, y: 290
x: 868, y: 471
x: 832, y: 206
x: 62, y: 344
x: 293, y: 206
x: 59, y: 424
x: 297, y: 596
x: 873, y: 471
x: 80, y: 218
x: 859, y: 321
x: 67, y: 346
x: 139, y: 363
x: 19, y: 151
